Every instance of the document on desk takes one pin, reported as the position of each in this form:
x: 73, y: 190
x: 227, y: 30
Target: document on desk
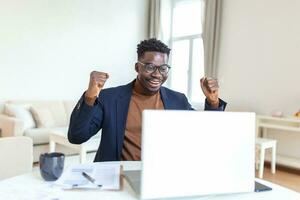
x: 105, y: 176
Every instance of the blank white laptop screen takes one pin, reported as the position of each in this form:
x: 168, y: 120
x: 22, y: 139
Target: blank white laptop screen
x: 192, y: 153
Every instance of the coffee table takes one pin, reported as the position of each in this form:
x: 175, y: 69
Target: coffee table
x: 60, y: 137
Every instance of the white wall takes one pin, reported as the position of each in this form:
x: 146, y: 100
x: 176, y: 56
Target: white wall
x: 49, y: 47
x: 259, y: 62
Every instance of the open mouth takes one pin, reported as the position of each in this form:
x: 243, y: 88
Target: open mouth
x: 154, y: 83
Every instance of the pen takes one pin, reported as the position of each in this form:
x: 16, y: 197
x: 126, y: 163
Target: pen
x: 89, y: 178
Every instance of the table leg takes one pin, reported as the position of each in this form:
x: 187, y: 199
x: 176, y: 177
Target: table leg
x: 256, y: 158
x: 82, y: 155
x: 51, y: 146
x: 273, y: 163
x: 261, y: 162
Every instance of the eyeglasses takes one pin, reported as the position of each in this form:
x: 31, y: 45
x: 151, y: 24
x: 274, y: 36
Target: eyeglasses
x: 151, y: 68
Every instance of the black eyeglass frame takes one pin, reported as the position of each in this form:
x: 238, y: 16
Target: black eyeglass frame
x: 159, y: 68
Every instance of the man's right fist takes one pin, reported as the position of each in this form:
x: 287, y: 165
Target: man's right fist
x: 97, y: 81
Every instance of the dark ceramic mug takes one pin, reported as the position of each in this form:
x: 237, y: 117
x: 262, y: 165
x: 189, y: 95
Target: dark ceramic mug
x: 51, y: 165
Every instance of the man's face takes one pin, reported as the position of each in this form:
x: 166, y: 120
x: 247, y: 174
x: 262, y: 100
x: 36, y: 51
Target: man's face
x: 151, y: 81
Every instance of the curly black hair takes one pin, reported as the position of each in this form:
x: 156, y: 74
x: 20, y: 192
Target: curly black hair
x: 152, y: 44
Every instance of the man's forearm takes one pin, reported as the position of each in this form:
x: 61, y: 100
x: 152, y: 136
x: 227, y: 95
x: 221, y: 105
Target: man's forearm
x: 84, y: 123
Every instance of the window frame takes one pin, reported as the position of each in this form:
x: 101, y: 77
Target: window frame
x: 190, y: 39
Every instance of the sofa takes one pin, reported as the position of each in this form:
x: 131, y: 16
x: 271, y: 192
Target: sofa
x: 36, y: 119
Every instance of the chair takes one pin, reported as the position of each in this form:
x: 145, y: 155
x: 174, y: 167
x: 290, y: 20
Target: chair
x: 262, y: 144
x: 15, y: 156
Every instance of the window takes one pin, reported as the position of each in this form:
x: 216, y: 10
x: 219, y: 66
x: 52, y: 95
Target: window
x: 187, y: 49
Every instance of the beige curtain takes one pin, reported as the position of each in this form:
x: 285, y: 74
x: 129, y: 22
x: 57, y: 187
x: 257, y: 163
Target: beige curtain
x: 211, y: 28
x: 154, y: 18
x: 160, y: 20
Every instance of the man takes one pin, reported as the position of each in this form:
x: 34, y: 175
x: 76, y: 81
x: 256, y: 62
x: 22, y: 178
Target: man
x: 117, y: 111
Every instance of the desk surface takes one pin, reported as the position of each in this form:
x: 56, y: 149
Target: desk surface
x: 287, y: 119
x: 31, y: 186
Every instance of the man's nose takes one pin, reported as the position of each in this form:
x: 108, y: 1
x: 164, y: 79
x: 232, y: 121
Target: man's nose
x: 156, y: 73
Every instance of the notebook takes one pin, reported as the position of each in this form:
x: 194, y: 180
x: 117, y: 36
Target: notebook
x: 99, y: 175
x: 195, y: 153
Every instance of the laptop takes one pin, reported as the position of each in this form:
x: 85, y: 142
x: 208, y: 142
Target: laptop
x: 195, y: 153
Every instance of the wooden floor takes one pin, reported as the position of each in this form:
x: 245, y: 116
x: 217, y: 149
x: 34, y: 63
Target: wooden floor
x: 284, y: 177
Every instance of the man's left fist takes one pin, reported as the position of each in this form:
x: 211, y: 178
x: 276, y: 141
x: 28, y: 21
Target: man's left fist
x: 210, y: 88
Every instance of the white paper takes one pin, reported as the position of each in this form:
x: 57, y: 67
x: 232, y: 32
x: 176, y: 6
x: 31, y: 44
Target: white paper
x: 107, y: 175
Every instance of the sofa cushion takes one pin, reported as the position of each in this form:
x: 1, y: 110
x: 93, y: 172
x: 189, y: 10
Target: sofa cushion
x: 59, y: 113
x: 55, y: 106
x: 41, y: 135
x: 20, y: 112
x: 43, y: 117
x: 57, y: 110
x: 69, y: 106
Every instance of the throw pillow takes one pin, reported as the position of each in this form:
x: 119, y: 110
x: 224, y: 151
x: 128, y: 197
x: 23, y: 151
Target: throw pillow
x: 43, y: 117
x: 20, y: 112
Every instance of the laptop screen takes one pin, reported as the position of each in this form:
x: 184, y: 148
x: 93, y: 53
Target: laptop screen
x: 188, y: 153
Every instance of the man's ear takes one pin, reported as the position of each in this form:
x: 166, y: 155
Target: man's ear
x: 136, y: 68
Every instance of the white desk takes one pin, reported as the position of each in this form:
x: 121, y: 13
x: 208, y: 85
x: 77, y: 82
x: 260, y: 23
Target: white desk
x: 32, y: 187
x: 278, y: 123
x: 283, y: 125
